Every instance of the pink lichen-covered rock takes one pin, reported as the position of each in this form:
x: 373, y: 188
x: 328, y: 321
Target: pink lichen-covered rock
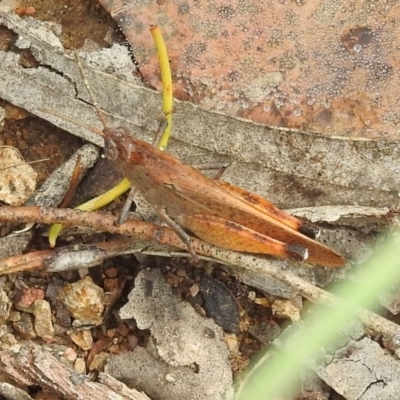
x: 325, y: 67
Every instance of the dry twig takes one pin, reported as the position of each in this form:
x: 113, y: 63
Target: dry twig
x: 31, y: 365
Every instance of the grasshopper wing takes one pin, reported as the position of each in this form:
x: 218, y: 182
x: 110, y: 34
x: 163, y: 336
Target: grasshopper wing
x: 265, y: 206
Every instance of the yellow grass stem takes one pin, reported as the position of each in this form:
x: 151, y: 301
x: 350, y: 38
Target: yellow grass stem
x: 166, y: 79
x: 91, y: 205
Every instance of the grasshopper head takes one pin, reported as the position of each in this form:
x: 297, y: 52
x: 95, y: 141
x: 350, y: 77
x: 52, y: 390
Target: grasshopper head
x: 123, y: 150
x: 118, y: 144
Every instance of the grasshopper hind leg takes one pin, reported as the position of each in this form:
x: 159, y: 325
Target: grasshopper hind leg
x: 227, y: 234
x: 310, y: 231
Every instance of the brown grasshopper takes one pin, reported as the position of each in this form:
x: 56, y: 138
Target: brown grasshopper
x: 217, y: 212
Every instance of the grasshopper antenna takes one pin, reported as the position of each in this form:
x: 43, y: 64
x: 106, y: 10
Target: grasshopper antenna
x: 100, y: 114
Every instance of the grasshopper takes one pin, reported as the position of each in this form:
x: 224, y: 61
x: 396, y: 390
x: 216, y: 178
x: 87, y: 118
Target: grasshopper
x: 217, y: 212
